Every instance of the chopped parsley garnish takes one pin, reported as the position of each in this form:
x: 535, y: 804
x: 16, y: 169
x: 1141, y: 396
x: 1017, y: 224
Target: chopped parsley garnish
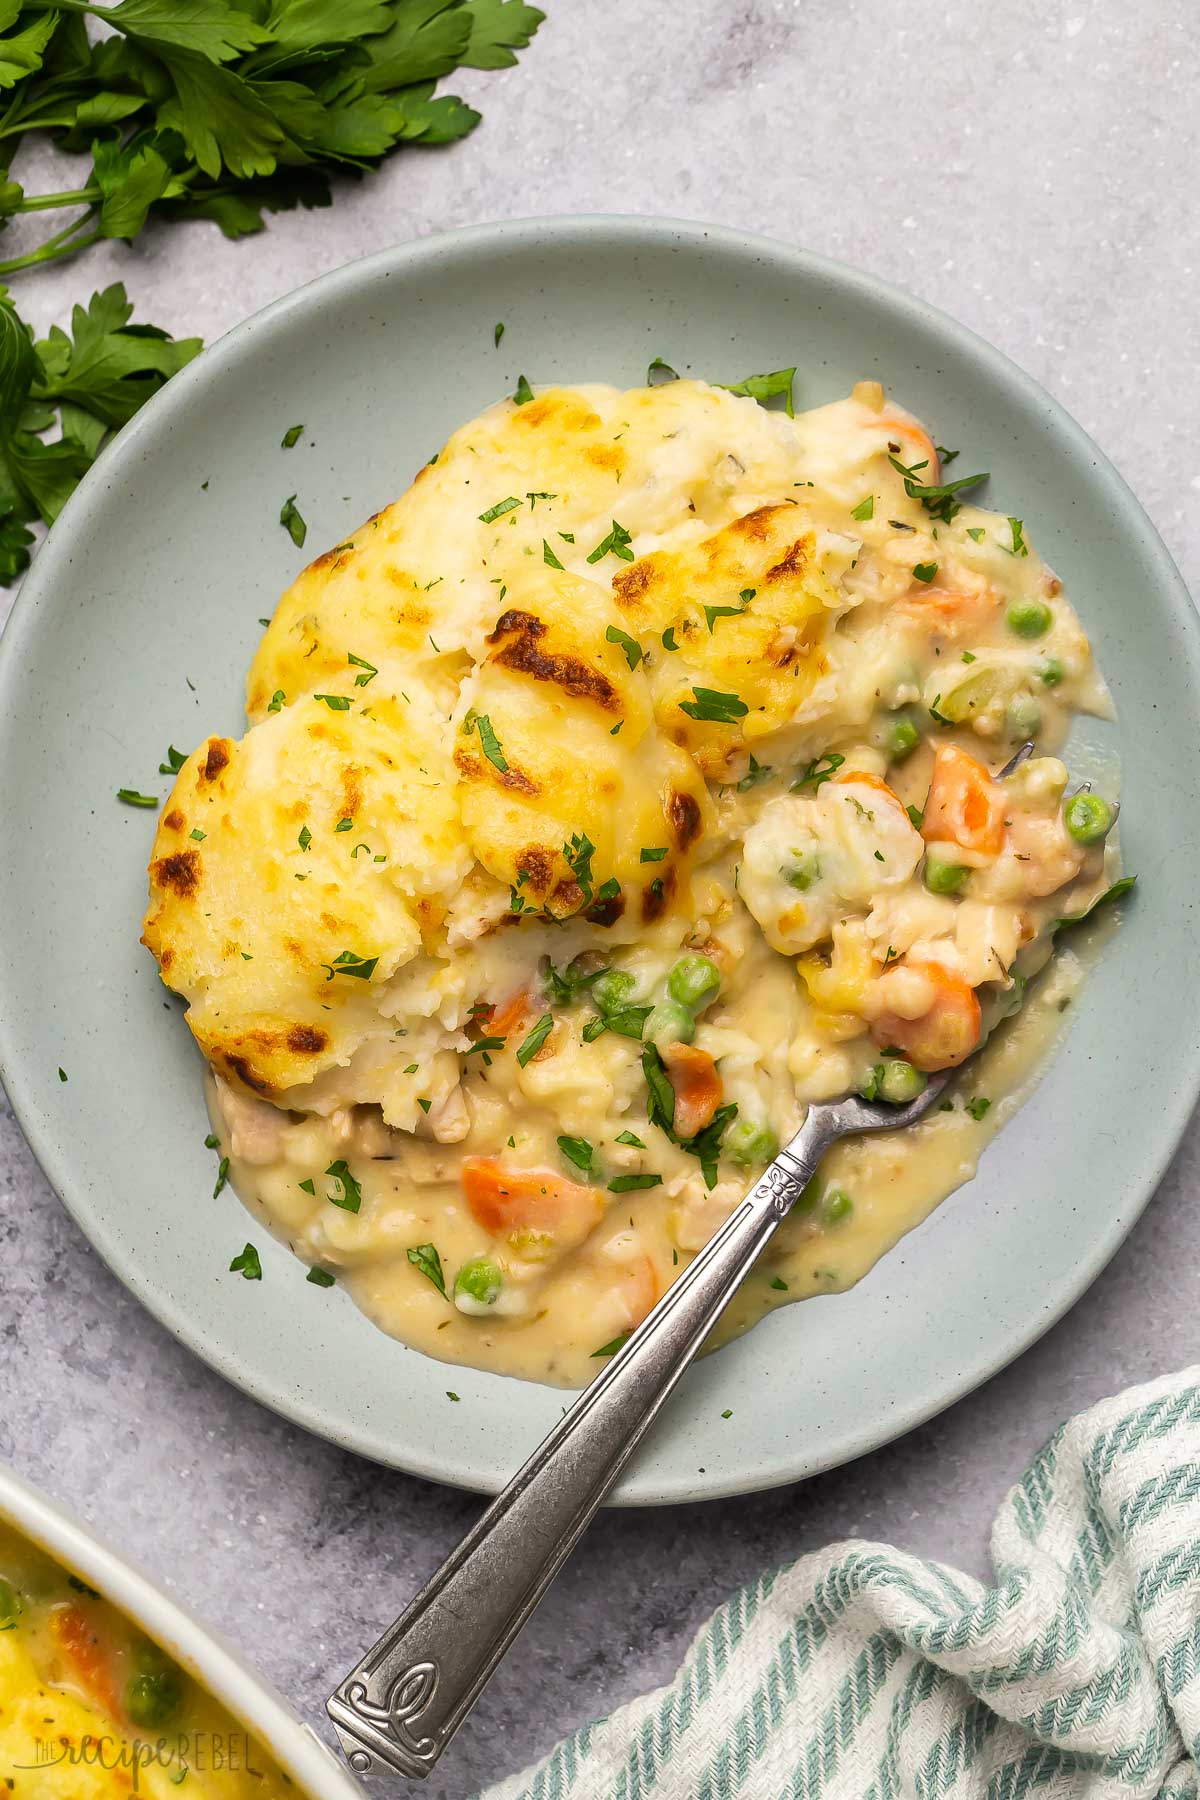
x: 935, y: 714
x: 489, y: 742
x: 498, y: 511
x: 344, y: 825
x: 865, y: 508
x: 779, y: 1285
x: 728, y: 1413
x: 706, y: 1144
x: 425, y: 1258
x: 305, y: 838
x: 211, y: 1141
x: 173, y: 764
x: 630, y: 645
x: 292, y: 522
x: 653, y: 855
x: 661, y: 1107
x: 916, y: 817
x: 349, y: 963
x: 659, y: 367
x: 818, y: 770
x: 360, y: 662
x: 335, y: 702
x: 977, y: 1108
x: 524, y: 393
x: 628, y: 1184
x: 568, y: 984
x: 627, y: 1021
x: 278, y: 701
x: 611, y: 1349
x: 765, y: 387
x: 320, y: 1278
x: 291, y: 437
x: 668, y: 639
x: 627, y: 1137
x: 977, y: 532
x: 578, y: 1151
x: 131, y: 797
x: 536, y: 1039
x: 350, y: 1196
x: 925, y: 571
x: 424, y: 1104
x: 222, y: 1176
x: 754, y: 774
x: 247, y: 1264
x: 616, y: 543
x: 62, y: 1074
x: 1115, y: 892
x: 713, y: 613
x: 710, y: 703
x: 309, y: 1186
x: 1019, y: 547
x: 938, y: 498
x: 497, y: 334
x: 578, y: 854
x: 484, y: 1044
x: 548, y: 557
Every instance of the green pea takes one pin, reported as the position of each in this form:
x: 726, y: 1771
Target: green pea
x: 669, y: 1023
x: 612, y: 990
x: 480, y: 1279
x: 902, y: 737
x: 750, y: 1144
x: 155, y: 1696
x: 1051, y: 672
x: 944, y: 877
x: 10, y: 1604
x: 694, y: 981
x: 1024, y: 717
x: 803, y: 872
x: 1029, y: 618
x: 836, y: 1206
x: 1088, y: 818
x: 899, y: 1082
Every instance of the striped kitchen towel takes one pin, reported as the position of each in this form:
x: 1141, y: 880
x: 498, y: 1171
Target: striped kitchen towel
x: 863, y: 1673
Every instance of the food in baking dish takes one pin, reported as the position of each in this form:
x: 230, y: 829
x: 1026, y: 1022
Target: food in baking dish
x: 626, y: 786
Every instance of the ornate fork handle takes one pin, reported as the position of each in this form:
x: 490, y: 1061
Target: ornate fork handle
x: 402, y: 1704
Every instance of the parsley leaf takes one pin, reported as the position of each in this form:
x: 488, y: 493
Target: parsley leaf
x: 628, y: 1184
x: 818, y: 770
x: 131, y: 797
x: 350, y: 963
x: 425, y: 1258
x: 292, y: 522
x: 754, y: 774
x: 537, y: 1037
x: 498, y: 511
x: 765, y: 387
x: 616, y: 543
x: 291, y: 437
x: 938, y: 498
x: 548, y: 557
x: 578, y: 1151
x: 524, y: 393
x: 630, y: 645
x: 865, y: 508
x: 349, y: 1198
x: 659, y: 367
x: 247, y: 1265
x: 710, y: 703
x: 488, y: 740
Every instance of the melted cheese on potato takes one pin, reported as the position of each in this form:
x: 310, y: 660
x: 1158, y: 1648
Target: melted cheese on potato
x: 590, y: 772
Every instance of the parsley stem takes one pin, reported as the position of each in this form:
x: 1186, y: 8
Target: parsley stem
x: 53, y: 247
x: 84, y: 196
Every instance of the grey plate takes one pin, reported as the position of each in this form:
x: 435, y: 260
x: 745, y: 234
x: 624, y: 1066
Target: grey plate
x: 150, y: 577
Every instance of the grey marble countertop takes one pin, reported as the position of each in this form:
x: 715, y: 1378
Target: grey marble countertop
x: 1030, y: 168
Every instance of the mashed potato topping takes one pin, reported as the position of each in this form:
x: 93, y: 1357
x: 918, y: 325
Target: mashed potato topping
x: 629, y: 784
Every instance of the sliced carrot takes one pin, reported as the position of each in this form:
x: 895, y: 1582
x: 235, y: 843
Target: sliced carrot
x: 640, y: 1281
x: 872, y: 781
x: 502, y: 1020
x: 503, y: 1200
x: 950, y: 610
x: 698, y: 1088
x: 85, y: 1655
x: 942, y: 1036
x: 964, y: 806
x: 921, y: 446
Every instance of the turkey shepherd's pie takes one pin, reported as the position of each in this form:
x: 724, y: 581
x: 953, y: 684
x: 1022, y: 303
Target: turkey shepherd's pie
x: 626, y: 786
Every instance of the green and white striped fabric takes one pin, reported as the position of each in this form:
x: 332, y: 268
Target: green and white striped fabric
x: 863, y: 1673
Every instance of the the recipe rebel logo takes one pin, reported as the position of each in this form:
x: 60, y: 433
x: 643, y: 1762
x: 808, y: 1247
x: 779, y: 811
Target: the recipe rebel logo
x: 204, y: 1751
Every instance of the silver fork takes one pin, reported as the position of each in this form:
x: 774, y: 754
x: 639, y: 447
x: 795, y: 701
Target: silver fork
x: 399, y: 1707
